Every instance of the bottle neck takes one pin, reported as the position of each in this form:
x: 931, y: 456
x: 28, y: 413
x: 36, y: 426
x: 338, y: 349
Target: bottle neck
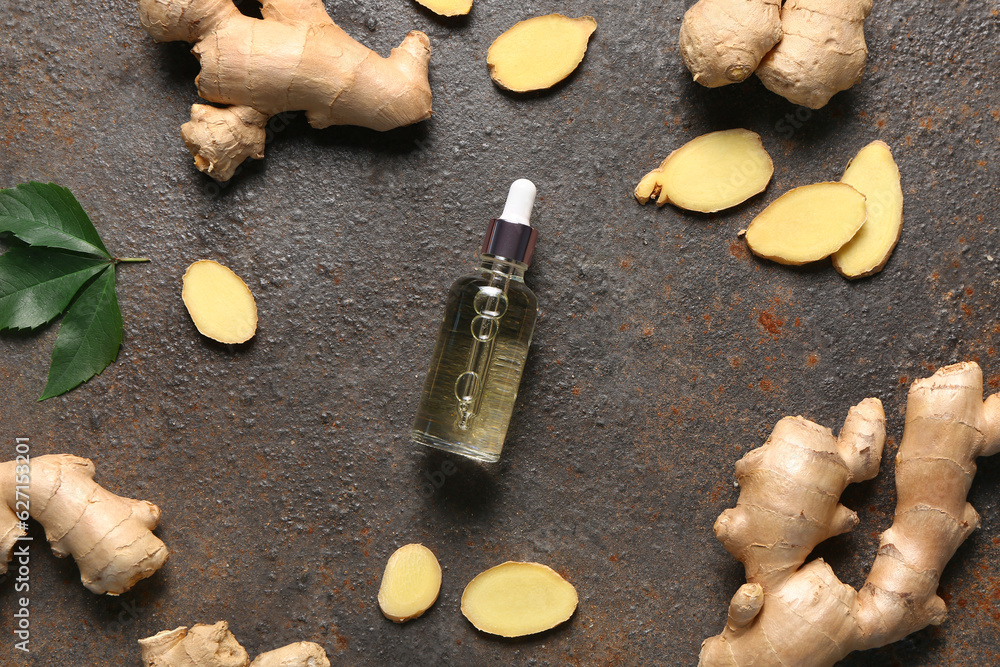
x: 502, y: 268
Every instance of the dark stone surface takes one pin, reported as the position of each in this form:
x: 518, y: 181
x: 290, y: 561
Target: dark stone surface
x: 664, y: 352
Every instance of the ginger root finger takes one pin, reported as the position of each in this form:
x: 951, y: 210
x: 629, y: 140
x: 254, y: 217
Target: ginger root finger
x: 807, y: 223
x: 874, y: 174
x: 294, y: 58
x: 540, y: 52
x: 822, y: 50
x: 219, y: 302
x: 723, y: 41
x: 517, y: 599
x: 410, y: 584
x: 109, y: 536
x: 215, y: 646
x: 710, y: 173
x: 448, y: 7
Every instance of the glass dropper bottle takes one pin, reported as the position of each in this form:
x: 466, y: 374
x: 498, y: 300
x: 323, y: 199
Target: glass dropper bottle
x: 483, y: 342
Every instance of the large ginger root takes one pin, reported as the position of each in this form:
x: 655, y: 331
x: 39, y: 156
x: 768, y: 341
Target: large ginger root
x: 874, y: 174
x: 822, y: 52
x: 794, y: 615
x: 215, y: 646
x: 723, y: 41
x: 809, y: 52
x: 109, y: 536
x: 296, y: 58
x: 710, y: 173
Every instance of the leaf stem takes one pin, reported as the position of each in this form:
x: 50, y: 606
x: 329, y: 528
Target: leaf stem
x: 120, y: 260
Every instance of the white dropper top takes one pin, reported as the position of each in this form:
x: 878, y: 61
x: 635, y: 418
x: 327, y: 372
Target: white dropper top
x: 520, y: 201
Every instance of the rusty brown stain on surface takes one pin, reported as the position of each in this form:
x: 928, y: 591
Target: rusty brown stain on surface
x: 770, y: 322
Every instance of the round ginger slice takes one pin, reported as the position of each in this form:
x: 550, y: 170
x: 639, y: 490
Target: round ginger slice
x: 219, y: 302
x: 410, y: 584
x: 448, y: 7
x: 874, y: 174
x: 710, y: 173
x: 517, y: 599
x: 540, y: 52
x: 807, y: 223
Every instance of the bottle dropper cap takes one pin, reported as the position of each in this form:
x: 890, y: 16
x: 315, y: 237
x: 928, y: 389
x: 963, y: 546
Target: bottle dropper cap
x: 511, y: 236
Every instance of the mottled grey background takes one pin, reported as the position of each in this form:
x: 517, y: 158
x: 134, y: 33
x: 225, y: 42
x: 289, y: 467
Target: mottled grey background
x: 664, y: 352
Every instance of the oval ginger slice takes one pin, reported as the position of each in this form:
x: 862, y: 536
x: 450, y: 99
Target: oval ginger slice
x: 710, y: 173
x: 448, y: 7
x: 219, y: 302
x: 410, y: 584
x: 874, y: 174
x: 808, y: 223
x: 540, y: 52
x: 517, y: 599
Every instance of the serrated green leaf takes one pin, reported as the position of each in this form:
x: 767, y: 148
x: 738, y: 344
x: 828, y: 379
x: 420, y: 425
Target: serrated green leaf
x: 45, y: 214
x: 89, y: 337
x: 36, y: 285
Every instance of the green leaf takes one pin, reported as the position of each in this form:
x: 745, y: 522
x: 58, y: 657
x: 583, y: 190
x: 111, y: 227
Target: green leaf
x: 89, y: 337
x: 36, y: 285
x: 43, y: 214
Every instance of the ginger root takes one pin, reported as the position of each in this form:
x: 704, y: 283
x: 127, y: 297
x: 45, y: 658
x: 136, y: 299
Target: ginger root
x: 874, y: 174
x: 295, y: 58
x: 795, y: 615
x: 710, y: 173
x: 807, y: 223
x: 410, y: 584
x: 806, y: 51
x: 540, y: 52
x: 219, y: 302
x: 517, y: 599
x: 448, y: 7
x: 110, y: 537
x: 215, y: 646
x: 723, y: 41
x: 821, y: 53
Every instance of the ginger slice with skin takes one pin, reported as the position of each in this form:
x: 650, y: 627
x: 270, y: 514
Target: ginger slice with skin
x: 517, y: 599
x: 448, y: 7
x: 807, y: 223
x: 540, y: 52
x: 109, y: 536
x: 874, y: 174
x: 723, y: 41
x: 410, y: 584
x: 797, y: 614
x: 710, y: 173
x: 215, y: 646
x: 219, y: 302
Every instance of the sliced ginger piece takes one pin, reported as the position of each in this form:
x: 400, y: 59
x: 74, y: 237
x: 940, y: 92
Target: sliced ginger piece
x: 874, y: 174
x: 808, y: 223
x: 219, y: 302
x: 517, y: 599
x: 540, y: 52
x: 448, y: 7
x: 410, y: 584
x: 710, y: 173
